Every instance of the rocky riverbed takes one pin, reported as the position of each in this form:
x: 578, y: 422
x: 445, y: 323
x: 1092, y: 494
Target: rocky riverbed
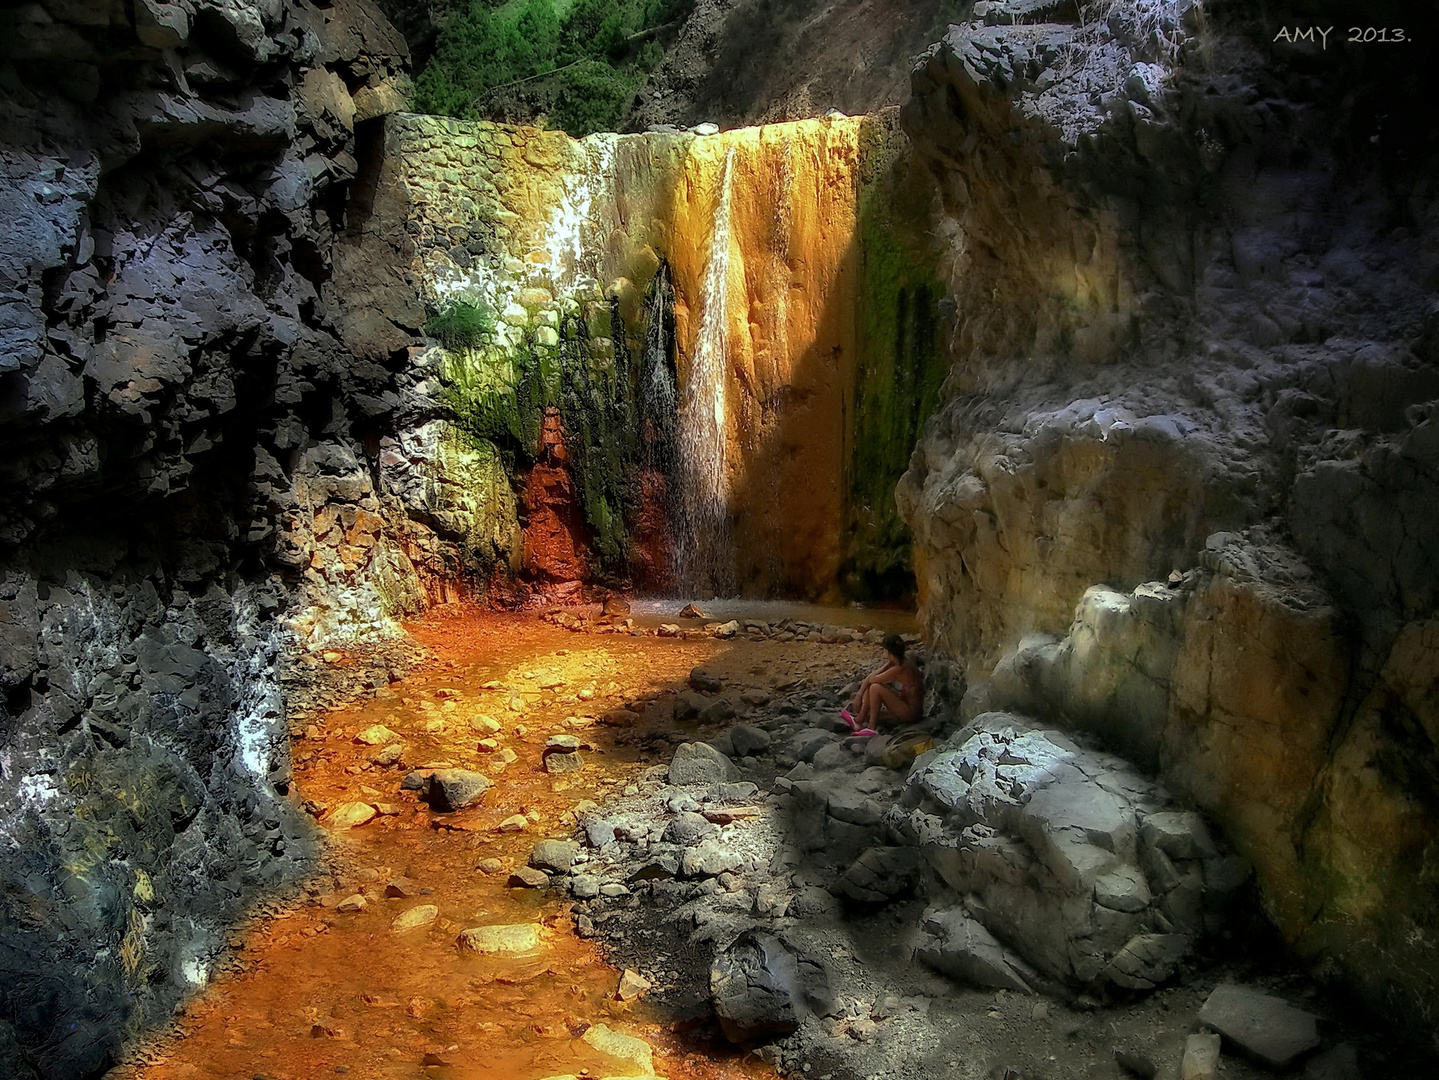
x: 644, y: 855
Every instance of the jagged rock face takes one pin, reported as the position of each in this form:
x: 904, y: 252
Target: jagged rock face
x: 1215, y: 356
x: 1069, y: 854
x: 182, y: 431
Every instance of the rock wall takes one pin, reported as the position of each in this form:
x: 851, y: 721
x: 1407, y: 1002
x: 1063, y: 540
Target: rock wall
x: 828, y: 297
x: 1182, y: 488
x: 187, y: 449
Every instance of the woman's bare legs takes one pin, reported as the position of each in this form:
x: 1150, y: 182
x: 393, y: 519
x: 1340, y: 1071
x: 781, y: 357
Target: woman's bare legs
x: 880, y: 696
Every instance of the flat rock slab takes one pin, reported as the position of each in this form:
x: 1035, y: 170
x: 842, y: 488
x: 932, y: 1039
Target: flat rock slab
x: 513, y: 940
x: 1265, y: 1027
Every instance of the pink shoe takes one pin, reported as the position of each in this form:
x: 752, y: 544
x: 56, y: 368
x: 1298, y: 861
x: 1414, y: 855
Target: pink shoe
x: 847, y: 717
x: 865, y: 733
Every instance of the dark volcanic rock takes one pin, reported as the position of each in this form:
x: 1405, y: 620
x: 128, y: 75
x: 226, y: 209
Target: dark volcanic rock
x: 761, y: 987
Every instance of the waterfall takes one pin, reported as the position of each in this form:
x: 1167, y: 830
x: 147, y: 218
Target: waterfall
x: 703, y: 551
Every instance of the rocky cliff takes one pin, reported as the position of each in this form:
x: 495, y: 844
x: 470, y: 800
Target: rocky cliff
x: 174, y: 395
x: 1183, y: 490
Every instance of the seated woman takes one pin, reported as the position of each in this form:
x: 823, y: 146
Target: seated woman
x: 894, y: 692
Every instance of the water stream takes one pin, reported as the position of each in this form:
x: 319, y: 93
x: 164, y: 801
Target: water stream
x: 704, y: 547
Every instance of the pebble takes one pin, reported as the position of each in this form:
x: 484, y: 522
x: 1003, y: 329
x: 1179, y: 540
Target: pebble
x: 529, y: 877
x: 350, y: 904
x: 513, y: 823
x: 488, y: 724
x: 489, y: 866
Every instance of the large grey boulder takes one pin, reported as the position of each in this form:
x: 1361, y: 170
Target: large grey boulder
x: 700, y: 763
x: 761, y: 987
x: 1076, y: 861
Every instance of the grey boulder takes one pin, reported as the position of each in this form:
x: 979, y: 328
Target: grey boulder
x: 1260, y: 1025
x: 700, y: 763
x: 455, y: 789
x: 762, y: 988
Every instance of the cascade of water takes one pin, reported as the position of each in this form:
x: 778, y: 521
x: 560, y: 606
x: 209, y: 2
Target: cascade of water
x: 659, y: 398
x: 703, y: 551
x: 581, y: 214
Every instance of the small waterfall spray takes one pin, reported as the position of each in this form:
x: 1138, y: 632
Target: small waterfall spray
x: 704, y: 556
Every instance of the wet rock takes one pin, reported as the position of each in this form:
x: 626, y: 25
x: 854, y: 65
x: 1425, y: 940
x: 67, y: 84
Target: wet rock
x: 415, y: 919
x: 351, y: 815
x: 512, y: 940
x: 390, y: 755
x: 881, y: 874
x: 377, y: 735
x: 556, y: 856
x: 414, y: 781
x: 748, y: 739
x: 963, y: 949
x: 449, y: 790
x: 636, y: 1052
x: 762, y: 988
x: 632, y: 985
x: 1201, y: 1058
x: 562, y: 754
x: 699, y: 763
x: 705, y: 682
x: 401, y: 887
x: 1260, y: 1025
x: 622, y: 718
x: 689, y: 828
x: 689, y: 611
x: 529, y: 877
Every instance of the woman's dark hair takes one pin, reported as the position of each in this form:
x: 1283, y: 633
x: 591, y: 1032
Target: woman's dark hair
x: 894, y: 645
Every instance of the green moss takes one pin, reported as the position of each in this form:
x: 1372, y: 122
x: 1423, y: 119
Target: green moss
x: 499, y: 396
x: 900, y: 366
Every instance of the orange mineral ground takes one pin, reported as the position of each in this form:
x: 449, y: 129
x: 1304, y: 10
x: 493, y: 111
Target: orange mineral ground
x: 321, y: 989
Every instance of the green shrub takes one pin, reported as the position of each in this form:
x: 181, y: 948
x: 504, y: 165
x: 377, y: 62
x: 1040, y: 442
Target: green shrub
x: 460, y: 325
x: 527, y: 62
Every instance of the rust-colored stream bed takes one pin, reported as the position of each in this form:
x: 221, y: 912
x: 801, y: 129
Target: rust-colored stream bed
x: 323, y: 990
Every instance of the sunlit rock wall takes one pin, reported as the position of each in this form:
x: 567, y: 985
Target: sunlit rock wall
x: 1183, y: 487
x: 827, y: 314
